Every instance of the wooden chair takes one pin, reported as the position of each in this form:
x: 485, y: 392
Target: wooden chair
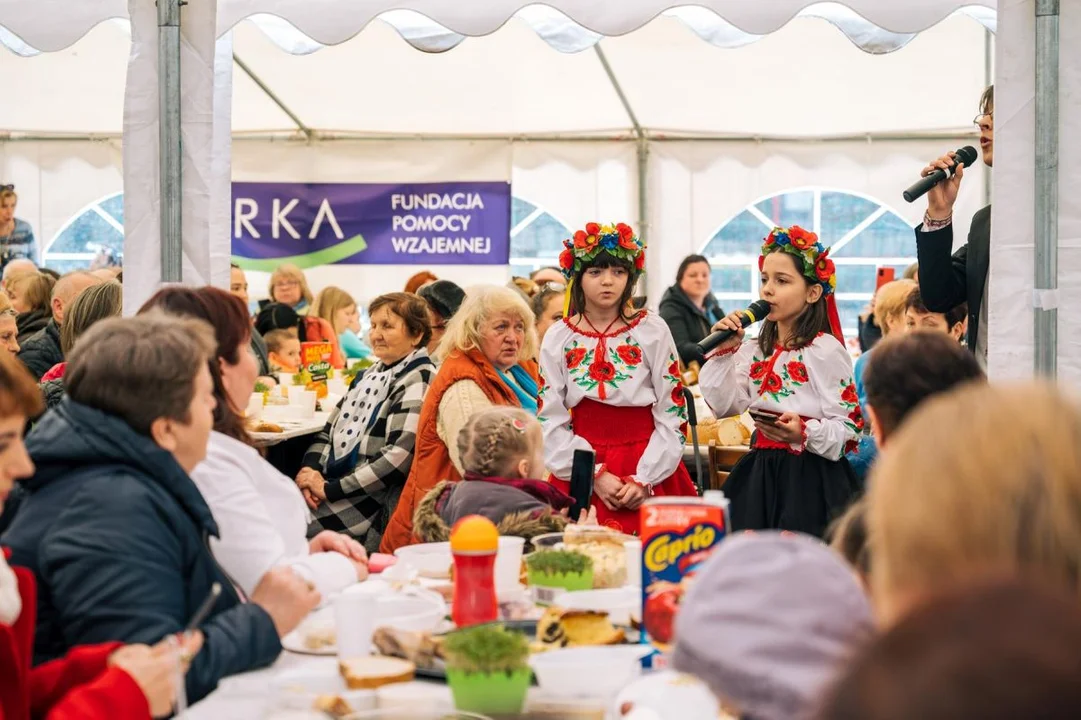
x: 721, y: 462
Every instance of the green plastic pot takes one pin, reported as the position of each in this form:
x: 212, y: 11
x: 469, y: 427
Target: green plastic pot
x: 498, y: 693
x: 566, y: 581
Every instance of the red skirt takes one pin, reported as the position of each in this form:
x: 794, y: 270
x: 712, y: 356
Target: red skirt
x: 619, y: 436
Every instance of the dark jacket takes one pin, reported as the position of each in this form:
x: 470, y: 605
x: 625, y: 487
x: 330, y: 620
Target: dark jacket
x: 31, y: 322
x: 259, y: 349
x: 53, y: 392
x: 117, y: 534
x: 948, y: 280
x: 687, y: 323
x: 42, y: 350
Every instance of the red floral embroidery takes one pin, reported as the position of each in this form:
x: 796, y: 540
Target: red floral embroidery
x: 849, y: 395
x: 630, y: 354
x: 602, y: 371
x: 575, y: 357
x: 797, y: 371
x: 673, y: 369
x: 857, y: 419
x: 678, y: 398
x: 772, y: 383
x: 758, y: 369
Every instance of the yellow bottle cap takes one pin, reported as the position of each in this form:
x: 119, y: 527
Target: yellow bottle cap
x: 474, y: 534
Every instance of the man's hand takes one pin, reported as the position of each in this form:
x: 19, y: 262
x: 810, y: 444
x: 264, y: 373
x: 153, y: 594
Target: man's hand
x: 941, y: 198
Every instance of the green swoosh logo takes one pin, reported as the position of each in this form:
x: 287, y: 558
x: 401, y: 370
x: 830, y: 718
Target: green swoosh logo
x: 326, y: 256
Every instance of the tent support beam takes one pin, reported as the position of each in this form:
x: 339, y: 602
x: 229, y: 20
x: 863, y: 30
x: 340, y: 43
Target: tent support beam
x: 1045, y: 320
x: 170, y: 148
x: 642, y: 142
x: 308, y: 133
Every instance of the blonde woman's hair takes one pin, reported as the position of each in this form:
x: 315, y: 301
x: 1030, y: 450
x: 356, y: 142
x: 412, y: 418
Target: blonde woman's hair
x: 983, y: 480
x: 890, y: 302
x: 36, y: 289
x: 96, y: 303
x: 496, y: 439
x: 480, y: 305
x: 329, y: 301
x: 288, y: 271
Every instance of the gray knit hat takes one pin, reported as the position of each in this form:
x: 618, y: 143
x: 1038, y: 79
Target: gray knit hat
x: 769, y: 622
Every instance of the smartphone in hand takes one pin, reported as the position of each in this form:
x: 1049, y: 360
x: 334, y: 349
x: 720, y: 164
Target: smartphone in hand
x: 582, y: 482
x: 764, y: 417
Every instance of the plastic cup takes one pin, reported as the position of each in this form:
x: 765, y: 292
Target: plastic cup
x: 354, y: 621
x: 304, y: 399
x: 633, y: 550
x: 508, y: 563
x: 255, y: 406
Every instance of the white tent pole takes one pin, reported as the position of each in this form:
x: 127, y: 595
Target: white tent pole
x: 1045, y: 323
x: 273, y: 97
x: 988, y: 80
x: 171, y: 170
x: 642, y: 149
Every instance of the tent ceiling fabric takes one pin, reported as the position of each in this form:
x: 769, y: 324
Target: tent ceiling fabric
x: 804, y: 80
x: 876, y: 26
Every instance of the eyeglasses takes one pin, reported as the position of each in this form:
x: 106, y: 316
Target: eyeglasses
x: 984, y: 121
x: 286, y: 284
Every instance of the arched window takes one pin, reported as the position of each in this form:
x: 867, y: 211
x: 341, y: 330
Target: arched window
x: 865, y: 234
x: 96, y: 231
x: 536, y: 238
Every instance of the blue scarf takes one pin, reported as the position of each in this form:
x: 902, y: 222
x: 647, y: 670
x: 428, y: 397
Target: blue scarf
x: 523, y: 385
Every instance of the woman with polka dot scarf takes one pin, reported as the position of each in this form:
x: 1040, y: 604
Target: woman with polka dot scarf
x: 355, y: 470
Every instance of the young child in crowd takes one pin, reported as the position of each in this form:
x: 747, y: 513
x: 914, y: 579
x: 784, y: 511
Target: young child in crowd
x: 502, y: 452
x: 918, y: 317
x: 796, y: 381
x: 615, y: 370
x: 283, y: 351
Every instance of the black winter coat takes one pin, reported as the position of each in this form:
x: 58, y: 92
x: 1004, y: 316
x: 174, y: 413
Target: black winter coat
x: 687, y: 323
x: 42, y: 350
x: 117, y: 535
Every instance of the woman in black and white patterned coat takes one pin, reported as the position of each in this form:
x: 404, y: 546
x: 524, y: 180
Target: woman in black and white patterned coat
x: 355, y: 470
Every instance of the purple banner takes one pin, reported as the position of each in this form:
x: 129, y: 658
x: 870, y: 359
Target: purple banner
x: 309, y: 224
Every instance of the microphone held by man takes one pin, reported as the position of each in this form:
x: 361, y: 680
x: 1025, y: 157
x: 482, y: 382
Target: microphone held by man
x: 932, y: 176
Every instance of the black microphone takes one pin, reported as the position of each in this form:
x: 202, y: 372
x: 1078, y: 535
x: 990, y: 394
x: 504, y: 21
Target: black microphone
x: 758, y: 310
x: 965, y: 156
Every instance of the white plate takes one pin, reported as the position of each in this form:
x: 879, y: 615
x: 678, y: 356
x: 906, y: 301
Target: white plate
x: 297, y: 689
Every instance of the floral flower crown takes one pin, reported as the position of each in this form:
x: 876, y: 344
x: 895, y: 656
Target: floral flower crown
x: 804, y: 246
x: 617, y: 240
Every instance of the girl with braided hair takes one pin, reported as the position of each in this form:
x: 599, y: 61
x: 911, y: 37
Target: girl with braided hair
x: 502, y: 453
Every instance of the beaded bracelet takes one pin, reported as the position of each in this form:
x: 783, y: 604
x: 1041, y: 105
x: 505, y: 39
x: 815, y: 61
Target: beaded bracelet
x: 930, y: 224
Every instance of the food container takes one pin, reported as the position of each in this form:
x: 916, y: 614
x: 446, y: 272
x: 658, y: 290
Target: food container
x: 588, y: 672
x: 431, y: 560
x: 603, y: 545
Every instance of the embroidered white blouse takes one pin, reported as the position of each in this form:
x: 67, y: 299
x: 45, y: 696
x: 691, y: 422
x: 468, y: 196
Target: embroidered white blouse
x: 814, y: 382
x: 638, y: 369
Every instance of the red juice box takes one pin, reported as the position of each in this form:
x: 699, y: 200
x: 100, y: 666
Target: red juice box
x: 678, y: 535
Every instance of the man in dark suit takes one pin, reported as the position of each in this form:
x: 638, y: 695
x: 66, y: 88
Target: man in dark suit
x: 948, y: 280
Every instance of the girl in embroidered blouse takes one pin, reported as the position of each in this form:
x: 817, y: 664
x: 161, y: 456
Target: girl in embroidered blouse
x: 610, y: 382
x: 796, y: 380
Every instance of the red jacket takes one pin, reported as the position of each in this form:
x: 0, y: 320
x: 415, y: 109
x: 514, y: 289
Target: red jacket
x: 79, y: 686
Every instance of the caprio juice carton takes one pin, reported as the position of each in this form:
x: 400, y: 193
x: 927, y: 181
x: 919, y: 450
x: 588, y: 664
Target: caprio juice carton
x: 678, y: 535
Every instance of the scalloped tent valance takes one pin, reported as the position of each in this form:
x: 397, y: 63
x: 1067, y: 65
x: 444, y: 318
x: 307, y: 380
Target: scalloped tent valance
x: 567, y: 25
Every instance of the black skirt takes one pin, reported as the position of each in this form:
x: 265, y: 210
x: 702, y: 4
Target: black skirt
x: 779, y: 490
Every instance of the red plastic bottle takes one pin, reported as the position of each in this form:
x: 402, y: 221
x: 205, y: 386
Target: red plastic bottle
x: 474, y: 542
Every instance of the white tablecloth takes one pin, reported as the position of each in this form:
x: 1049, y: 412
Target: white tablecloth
x: 291, y: 429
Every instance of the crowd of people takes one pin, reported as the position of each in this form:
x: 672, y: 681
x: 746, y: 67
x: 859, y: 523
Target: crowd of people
x: 897, y: 564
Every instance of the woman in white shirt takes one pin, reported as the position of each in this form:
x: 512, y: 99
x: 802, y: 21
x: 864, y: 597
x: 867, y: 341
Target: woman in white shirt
x: 261, y: 515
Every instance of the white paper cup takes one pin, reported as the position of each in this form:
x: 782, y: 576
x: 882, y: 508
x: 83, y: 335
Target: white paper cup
x: 337, y: 386
x: 255, y: 406
x: 304, y: 399
x: 633, y: 550
x: 354, y: 622
x: 285, y: 379
x: 508, y: 563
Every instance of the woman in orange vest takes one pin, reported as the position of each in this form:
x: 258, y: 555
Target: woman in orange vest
x: 485, y: 358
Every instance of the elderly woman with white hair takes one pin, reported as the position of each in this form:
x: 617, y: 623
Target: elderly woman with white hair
x: 485, y: 361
